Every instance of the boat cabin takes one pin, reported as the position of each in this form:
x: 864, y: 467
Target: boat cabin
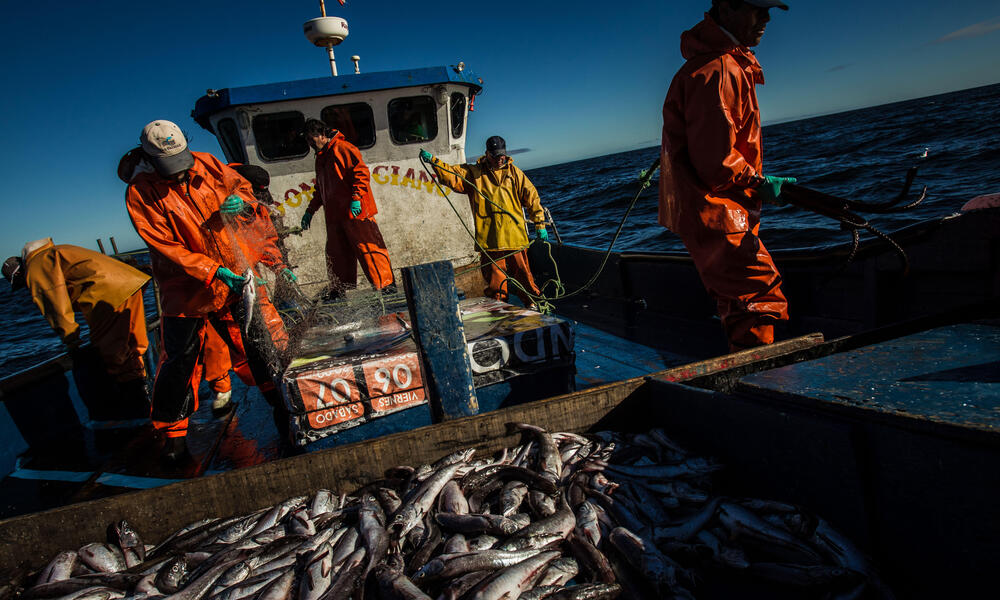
x: 390, y: 116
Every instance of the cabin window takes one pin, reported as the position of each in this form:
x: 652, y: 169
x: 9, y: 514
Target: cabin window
x: 229, y: 139
x: 356, y: 121
x: 457, y: 114
x: 413, y: 119
x: 279, y: 135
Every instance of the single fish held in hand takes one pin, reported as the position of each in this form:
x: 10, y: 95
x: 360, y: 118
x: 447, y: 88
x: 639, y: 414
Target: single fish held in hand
x: 249, y: 298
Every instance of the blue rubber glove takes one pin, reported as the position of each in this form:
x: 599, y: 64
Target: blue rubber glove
x: 355, y: 207
x: 233, y: 205
x: 426, y: 156
x: 770, y: 189
x: 288, y: 275
x: 541, y: 233
x: 307, y: 218
x: 234, y: 281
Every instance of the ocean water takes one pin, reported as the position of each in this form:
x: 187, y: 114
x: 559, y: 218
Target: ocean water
x: 862, y: 155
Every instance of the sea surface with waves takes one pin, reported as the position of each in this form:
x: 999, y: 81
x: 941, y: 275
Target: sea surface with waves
x: 864, y: 154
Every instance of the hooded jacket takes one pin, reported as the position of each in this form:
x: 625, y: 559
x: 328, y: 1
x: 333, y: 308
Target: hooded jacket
x: 496, y: 228
x: 342, y: 177
x: 711, y: 148
x: 187, y: 237
x: 63, y: 279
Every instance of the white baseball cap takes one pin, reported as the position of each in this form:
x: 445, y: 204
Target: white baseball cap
x: 165, y: 145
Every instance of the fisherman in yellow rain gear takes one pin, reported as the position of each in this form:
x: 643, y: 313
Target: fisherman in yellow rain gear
x: 499, y: 216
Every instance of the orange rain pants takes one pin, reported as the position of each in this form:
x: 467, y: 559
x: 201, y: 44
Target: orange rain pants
x: 120, y: 337
x: 516, y: 267
x: 215, y: 362
x: 349, y: 241
x: 711, y: 160
x: 738, y: 272
x: 182, y: 347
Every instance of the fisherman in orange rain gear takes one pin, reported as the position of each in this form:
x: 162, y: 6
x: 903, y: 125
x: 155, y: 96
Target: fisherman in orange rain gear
x: 498, y: 192
x: 63, y: 279
x: 343, y: 189
x: 188, y: 210
x: 711, y: 182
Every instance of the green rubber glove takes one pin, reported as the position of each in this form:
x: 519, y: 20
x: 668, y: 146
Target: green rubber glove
x: 770, y: 189
x: 234, y: 281
x: 426, y: 156
x: 307, y: 218
x: 541, y: 233
x: 355, y: 207
x: 233, y: 205
x: 288, y: 275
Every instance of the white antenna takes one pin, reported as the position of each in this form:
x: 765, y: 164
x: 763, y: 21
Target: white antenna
x: 357, y: 67
x: 326, y: 32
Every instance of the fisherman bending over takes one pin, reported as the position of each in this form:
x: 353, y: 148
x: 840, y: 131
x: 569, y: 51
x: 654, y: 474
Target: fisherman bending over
x: 343, y: 189
x: 499, y: 216
x: 63, y: 279
x: 711, y: 182
x: 188, y: 212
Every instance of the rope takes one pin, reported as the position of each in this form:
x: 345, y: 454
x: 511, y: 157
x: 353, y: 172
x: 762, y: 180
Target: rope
x: 542, y: 301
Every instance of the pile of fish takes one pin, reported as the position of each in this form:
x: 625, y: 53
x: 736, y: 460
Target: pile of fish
x: 562, y: 516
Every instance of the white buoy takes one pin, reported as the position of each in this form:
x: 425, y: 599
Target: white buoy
x: 326, y: 32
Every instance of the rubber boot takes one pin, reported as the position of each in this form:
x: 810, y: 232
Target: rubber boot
x: 175, y: 450
x: 222, y: 403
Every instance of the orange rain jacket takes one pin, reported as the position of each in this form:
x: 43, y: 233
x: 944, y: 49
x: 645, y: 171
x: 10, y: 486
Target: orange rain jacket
x: 710, y: 161
x: 342, y: 177
x: 711, y: 131
x: 508, y: 187
x: 187, y: 237
x: 65, y: 278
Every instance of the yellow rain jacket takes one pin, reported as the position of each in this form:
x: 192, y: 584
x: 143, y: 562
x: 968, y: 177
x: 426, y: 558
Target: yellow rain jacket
x: 63, y: 278
x: 508, y: 187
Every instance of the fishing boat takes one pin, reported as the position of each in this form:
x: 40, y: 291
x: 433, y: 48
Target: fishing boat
x: 850, y: 414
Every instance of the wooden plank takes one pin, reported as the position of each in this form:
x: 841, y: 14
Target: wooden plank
x: 440, y: 335
x: 740, y: 359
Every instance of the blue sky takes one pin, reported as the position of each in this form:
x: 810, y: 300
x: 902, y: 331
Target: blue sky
x: 566, y: 79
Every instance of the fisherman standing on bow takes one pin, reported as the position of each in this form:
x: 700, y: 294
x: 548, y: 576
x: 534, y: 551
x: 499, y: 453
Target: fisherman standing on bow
x: 63, y: 279
x: 343, y: 189
x: 188, y: 212
x: 499, y: 192
x: 711, y: 182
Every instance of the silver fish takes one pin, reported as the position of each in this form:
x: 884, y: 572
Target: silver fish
x: 560, y: 571
x: 511, y: 581
x: 102, y: 558
x: 318, y: 574
x: 249, y: 298
x: 59, y: 568
x: 453, y: 565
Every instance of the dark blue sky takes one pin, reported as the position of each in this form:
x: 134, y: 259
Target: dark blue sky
x: 566, y: 79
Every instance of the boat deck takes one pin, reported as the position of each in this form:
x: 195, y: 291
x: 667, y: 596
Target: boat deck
x: 94, y: 463
x: 949, y: 376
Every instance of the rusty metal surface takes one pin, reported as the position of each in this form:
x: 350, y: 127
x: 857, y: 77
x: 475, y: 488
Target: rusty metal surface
x: 947, y: 375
